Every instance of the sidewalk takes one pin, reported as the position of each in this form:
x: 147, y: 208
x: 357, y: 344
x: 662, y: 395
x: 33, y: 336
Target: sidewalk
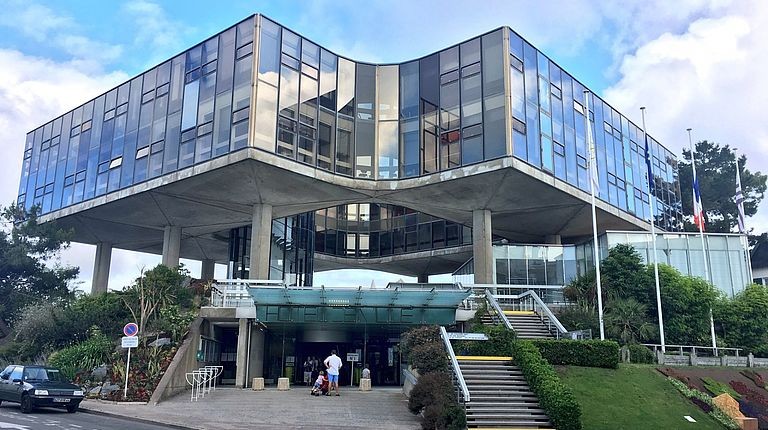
x: 231, y: 408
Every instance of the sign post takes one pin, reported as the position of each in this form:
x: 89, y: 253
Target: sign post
x: 130, y: 341
x: 352, y: 357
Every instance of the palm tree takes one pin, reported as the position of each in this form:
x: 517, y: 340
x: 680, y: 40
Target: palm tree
x: 627, y: 321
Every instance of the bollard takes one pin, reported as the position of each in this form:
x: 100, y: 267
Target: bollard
x: 283, y: 384
x: 365, y: 384
x: 258, y: 384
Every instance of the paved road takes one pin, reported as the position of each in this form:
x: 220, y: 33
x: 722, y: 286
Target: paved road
x: 11, y: 418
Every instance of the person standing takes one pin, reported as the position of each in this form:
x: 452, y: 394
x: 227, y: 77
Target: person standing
x: 333, y: 363
x: 307, y: 371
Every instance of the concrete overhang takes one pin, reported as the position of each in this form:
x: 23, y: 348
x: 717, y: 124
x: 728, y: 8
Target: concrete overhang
x: 432, y: 262
x: 208, y: 199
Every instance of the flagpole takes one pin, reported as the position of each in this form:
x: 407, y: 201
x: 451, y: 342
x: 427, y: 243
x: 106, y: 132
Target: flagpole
x: 703, y: 244
x: 742, y: 218
x: 653, y: 233
x: 595, y: 247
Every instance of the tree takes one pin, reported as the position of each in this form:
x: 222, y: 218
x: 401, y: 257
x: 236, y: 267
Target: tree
x: 743, y: 320
x: 154, y: 290
x: 716, y: 172
x: 26, y: 249
x: 686, y: 302
x: 627, y: 321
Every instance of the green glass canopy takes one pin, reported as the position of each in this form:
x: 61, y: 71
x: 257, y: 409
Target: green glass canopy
x: 399, y: 305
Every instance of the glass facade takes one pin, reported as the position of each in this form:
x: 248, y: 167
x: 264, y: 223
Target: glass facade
x: 549, y: 132
x: 492, y: 96
x: 727, y: 255
x: 291, y: 251
x: 187, y: 110
x: 548, y: 267
x: 369, y: 230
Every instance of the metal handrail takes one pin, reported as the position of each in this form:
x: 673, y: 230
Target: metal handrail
x: 537, y: 305
x: 455, y: 364
x: 552, y: 318
x: 495, y: 305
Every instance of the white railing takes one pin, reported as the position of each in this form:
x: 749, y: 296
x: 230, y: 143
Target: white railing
x: 203, y: 381
x: 528, y: 301
x: 462, y: 384
x: 233, y: 293
x: 499, y: 312
x: 692, y: 349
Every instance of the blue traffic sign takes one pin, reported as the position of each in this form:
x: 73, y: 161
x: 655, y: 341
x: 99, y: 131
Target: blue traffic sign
x: 131, y: 329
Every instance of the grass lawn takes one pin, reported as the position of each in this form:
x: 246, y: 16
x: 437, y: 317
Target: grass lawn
x: 631, y: 397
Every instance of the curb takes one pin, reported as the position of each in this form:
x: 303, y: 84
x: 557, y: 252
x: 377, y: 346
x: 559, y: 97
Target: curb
x: 141, y: 420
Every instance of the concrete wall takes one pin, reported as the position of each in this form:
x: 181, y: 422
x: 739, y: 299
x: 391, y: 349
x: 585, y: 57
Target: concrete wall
x: 174, y: 380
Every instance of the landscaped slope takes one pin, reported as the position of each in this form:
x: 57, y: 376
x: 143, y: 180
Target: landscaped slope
x: 631, y: 397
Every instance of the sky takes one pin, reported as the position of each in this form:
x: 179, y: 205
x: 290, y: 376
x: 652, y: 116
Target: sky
x: 692, y: 63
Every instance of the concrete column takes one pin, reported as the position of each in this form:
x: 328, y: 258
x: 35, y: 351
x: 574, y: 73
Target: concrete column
x: 256, y: 365
x: 207, y: 270
x: 101, y: 267
x: 423, y: 279
x: 553, y: 239
x: 261, y: 238
x: 242, y: 352
x: 482, y: 250
x: 171, y: 245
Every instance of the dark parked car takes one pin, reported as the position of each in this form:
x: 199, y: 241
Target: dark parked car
x: 35, y: 386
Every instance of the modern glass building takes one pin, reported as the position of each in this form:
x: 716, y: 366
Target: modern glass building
x: 261, y: 150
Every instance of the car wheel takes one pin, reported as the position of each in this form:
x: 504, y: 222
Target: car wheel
x: 26, y: 404
x: 72, y: 408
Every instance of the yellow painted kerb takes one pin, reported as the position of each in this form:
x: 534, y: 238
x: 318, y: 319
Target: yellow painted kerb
x: 519, y: 313
x: 482, y: 358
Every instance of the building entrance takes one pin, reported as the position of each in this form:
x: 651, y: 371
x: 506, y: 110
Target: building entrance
x: 292, y: 352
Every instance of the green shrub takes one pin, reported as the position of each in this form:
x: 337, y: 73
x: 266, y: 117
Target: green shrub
x: 499, y: 342
x: 429, y: 389
x: 84, y: 356
x: 419, y: 336
x: 585, y: 353
x: 434, y: 397
x: 428, y: 358
x: 640, y: 354
x: 555, y: 397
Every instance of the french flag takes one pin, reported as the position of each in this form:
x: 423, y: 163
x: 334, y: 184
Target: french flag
x: 698, y: 211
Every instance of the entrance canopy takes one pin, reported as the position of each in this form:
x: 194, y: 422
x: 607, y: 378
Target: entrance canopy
x: 399, y: 305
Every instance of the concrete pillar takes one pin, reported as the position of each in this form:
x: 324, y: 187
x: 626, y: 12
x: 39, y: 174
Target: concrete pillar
x: 553, y: 239
x: 261, y: 238
x: 242, y: 352
x: 171, y: 245
x: 208, y: 268
x: 482, y: 250
x: 423, y: 279
x: 101, y: 267
x: 256, y: 365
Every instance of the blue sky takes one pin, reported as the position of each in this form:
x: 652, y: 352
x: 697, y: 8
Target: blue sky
x: 693, y: 63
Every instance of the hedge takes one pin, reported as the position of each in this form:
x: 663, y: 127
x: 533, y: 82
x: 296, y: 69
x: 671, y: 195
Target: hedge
x: 585, y: 353
x: 555, y: 397
x: 640, y: 354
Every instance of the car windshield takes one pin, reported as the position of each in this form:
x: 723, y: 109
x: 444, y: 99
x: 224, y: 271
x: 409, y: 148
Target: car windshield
x: 42, y: 374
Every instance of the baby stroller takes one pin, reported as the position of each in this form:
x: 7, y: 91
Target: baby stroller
x: 321, y: 385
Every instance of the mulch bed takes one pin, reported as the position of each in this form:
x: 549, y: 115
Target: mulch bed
x: 754, y: 397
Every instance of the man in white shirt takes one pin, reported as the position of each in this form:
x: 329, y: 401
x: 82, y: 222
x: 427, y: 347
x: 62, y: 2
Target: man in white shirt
x: 333, y: 364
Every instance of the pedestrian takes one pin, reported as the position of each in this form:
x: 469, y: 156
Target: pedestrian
x: 366, y: 372
x: 307, y: 371
x: 333, y: 363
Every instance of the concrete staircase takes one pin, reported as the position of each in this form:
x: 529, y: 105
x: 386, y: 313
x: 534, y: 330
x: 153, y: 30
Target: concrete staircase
x: 499, y: 395
x: 526, y: 324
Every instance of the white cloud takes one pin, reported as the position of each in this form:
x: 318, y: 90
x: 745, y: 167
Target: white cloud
x: 709, y: 76
x: 155, y: 30
x: 46, y: 26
